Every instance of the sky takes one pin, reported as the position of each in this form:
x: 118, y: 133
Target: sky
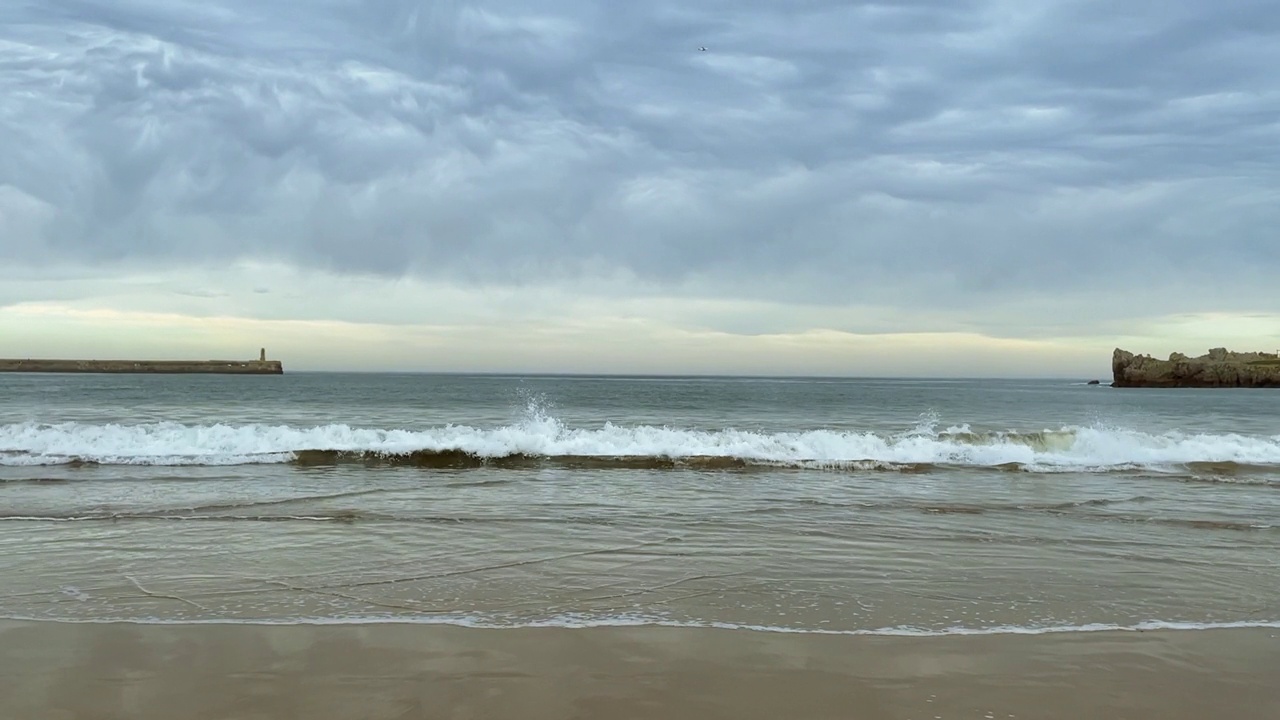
x: 915, y: 188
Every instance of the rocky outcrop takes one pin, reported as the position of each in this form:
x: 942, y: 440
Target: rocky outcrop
x: 1217, y: 368
x: 221, y: 367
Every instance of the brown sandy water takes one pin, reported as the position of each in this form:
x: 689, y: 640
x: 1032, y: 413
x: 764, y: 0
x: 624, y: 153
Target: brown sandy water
x: 845, y: 550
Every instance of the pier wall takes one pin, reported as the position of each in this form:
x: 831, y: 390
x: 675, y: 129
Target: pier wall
x: 224, y: 367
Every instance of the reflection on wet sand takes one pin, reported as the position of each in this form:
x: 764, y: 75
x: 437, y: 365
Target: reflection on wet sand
x: 146, y: 672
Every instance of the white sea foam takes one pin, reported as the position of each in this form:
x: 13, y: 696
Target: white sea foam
x: 1067, y: 448
x: 581, y: 621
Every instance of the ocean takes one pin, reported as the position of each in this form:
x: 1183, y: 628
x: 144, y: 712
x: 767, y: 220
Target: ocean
x: 805, y: 505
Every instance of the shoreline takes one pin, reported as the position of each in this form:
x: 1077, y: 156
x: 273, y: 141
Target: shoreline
x: 171, y: 367
x: 395, y: 670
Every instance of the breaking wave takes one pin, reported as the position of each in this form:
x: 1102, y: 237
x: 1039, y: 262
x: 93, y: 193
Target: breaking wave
x: 576, y: 621
x: 542, y: 439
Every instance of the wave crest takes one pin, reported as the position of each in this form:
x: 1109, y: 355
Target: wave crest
x: 541, y: 438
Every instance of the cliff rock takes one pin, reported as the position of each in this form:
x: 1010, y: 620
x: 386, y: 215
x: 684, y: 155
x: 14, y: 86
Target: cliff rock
x: 1217, y: 368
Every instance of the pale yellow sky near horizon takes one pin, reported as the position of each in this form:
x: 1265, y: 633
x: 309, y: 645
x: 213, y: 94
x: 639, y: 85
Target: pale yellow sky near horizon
x: 313, y: 320
x: 596, y: 345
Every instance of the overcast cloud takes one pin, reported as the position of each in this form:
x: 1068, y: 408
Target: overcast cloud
x: 1012, y: 168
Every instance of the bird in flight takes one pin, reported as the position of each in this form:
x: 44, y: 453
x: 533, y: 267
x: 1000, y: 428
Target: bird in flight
x: 702, y: 48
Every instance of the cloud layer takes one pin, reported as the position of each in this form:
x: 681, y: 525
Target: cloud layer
x: 1008, y: 168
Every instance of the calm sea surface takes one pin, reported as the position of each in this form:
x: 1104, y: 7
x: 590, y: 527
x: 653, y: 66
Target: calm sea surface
x: 807, y: 505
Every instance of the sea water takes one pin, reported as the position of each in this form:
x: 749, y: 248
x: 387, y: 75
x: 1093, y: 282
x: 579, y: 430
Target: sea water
x: 799, y: 504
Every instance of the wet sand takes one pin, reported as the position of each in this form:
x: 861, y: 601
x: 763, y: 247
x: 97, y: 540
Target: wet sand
x: 370, y: 672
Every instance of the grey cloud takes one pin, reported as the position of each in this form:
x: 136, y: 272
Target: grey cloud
x: 926, y: 153
x: 201, y: 293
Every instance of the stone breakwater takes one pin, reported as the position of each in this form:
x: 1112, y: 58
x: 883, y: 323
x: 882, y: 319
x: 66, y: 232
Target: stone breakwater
x: 1217, y: 368
x: 225, y: 367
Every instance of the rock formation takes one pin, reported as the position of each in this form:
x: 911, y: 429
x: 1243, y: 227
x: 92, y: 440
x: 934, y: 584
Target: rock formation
x: 1218, y: 368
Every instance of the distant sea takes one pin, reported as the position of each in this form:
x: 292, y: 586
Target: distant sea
x: 868, y: 506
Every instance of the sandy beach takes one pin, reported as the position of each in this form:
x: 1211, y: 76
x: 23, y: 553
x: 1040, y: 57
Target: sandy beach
x: 58, y: 671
